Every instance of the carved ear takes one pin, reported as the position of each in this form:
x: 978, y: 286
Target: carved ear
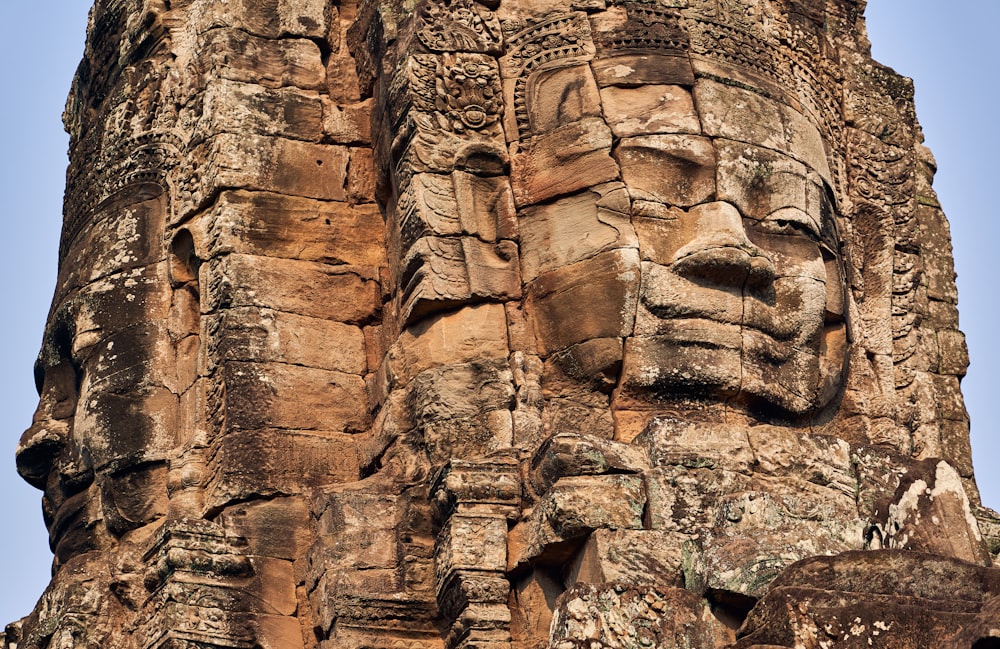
x: 184, y: 261
x: 833, y: 356
x: 833, y: 359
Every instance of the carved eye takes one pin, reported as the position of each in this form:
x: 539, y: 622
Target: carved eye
x: 790, y: 221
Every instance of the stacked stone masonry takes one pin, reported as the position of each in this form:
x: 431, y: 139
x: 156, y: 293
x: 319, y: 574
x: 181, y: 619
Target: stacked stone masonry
x: 502, y: 324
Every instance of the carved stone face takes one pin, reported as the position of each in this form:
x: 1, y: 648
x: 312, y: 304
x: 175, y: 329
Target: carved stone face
x: 706, y: 240
x: 741, y: 290
x: 104, y: 421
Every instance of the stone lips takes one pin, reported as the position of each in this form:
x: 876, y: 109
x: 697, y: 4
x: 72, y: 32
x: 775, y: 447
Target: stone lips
x: 501, y: 324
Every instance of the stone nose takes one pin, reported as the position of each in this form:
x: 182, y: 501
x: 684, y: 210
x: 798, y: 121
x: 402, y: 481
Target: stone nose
x: 38, y: 451
x: 720, y: 251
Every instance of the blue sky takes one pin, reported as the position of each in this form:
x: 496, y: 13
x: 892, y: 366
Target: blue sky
x: 946, y: 48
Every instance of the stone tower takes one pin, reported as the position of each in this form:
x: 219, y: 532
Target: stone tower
x: 502, y: 324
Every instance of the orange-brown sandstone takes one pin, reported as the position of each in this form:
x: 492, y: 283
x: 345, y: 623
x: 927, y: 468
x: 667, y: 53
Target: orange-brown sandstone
x: 502, y: 324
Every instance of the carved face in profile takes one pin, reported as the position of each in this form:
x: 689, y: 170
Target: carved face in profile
x: 679, y: 236
x: 107, y: 379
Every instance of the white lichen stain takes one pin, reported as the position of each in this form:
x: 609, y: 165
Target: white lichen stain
x: 649, y: 374
x: 622, y: 70
x: 947, y: 479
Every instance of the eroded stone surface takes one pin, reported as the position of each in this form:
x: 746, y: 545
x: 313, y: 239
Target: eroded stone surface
x: 503, y: 325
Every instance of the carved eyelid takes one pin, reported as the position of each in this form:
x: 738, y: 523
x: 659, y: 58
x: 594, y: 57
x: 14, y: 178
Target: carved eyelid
x: 796, y: 217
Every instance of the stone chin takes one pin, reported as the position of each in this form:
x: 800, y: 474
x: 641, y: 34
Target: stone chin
x: 738, y: 365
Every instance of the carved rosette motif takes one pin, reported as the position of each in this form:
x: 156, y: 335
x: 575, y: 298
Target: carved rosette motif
x: 458, y: 26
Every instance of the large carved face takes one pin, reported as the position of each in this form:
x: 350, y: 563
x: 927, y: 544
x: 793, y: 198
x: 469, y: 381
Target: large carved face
x: 691, y: 219
x: 107, y: 380
x: 741, y: 294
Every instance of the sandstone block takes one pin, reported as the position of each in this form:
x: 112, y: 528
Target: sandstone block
x: 491, y: 485
x: 444, y: 271
x: 654, y: 68
x: 347, y: 123
x: 821, y: 460
x: 760, y: 181
x: 356, y: 531
x: 865, y: 598
x: 734, y: 113
x: 534, y: 597
x: 575, y: 228
x: 342, y: 293
x: 942, y: 314
x: 956, y: 448
x: 566, y: 160
x: 635, y: 557
x: 661, y: 293
x: 234, y: 54
x: 293, y: 461
x: 575, y: 454
x: 759, y: 532
x: 342, y: 76
x: 113, y: 304
x: 477, y: 602
x: 685, y: 499
x: 930, y: 512
x: 471, y: 542
x: 133, y: 498
x: 361, y: 175
x: 574, y: 507
x: 951, y: 404
x: 684, y: 443
x: 954, y: 352
x: 248, y: 108
x: 119, y: 237
x: 265, y: 336
x: 271, y: 19
x: 279, y: 632
x: 586, y: 371
x: 271, y: 164
x: 562, y: 96
x: 276, y: 225
x: 439, y: 150
x: 458, y: 203
x: 649, y: 109
x: 571, y: 414
x: 936, y: 253
x: 847, y: 622
x: 559, y: 300
x: 131, y: 409
x: 624, y: 615
x: 670, y: 169
x: 279, y: 528
x: 466, y: 335
x: 277, y: 395
x: 485, y: 206
x: 463, y: 411
x: 274, y: 580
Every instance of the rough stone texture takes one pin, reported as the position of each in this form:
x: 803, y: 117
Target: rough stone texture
x: 502, y: 324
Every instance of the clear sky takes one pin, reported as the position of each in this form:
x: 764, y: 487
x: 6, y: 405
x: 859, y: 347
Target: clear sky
x: 948, y: 48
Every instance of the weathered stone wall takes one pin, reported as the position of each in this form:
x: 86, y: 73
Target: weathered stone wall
x: 467, y: 323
